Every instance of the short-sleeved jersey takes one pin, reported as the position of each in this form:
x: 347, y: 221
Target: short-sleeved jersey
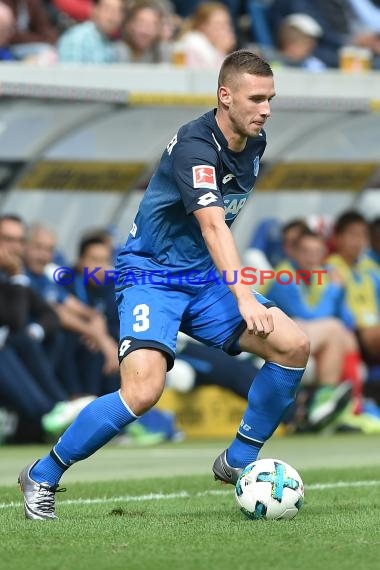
x: 197, y: 170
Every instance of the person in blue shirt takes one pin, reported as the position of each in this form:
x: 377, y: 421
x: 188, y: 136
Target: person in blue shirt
x: 83, y: 323
x: 316, y: 300
x: 180, y: 270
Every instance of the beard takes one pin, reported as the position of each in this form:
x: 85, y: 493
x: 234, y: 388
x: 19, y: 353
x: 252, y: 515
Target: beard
x: 243, y: 128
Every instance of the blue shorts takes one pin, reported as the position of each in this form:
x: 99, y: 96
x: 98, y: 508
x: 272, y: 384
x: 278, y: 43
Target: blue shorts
x: 151, y: 316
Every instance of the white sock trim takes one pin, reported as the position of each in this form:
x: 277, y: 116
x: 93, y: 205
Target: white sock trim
x: 126, y: 406
x: 251, y: 438
x: 286, y: 367
x: 59, y: 457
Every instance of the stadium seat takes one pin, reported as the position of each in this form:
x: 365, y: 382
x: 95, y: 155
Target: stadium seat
x: 267, y: 237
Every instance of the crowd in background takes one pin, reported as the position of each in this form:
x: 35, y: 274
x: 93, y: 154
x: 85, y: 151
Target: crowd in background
x: 310, y: 34
x: 59, y: 327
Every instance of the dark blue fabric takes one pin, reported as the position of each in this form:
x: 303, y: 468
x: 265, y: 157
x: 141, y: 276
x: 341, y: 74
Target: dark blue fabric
x: 19, y: 390
x: 35, y: 360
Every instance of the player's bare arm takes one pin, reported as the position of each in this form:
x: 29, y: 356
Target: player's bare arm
x: 221, y: 245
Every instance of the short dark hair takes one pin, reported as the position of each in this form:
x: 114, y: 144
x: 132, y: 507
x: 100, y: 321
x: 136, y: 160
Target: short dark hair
x: 243, y: 61
x: 89, y: 240
x: 347, y: 219
x: 293, y: 224
x: 11, y: 218
x: 310, y: 233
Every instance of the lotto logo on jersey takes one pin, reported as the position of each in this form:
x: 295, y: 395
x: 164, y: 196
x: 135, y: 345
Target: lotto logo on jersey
x: 204, y: 177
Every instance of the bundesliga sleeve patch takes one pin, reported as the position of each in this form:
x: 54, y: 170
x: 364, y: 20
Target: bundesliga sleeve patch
x: 204, y: 177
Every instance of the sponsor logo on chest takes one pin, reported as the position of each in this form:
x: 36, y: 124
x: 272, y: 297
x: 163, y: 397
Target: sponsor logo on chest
x: 233, y: 203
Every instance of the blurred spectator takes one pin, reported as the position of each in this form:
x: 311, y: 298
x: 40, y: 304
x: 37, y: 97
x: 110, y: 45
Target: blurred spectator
x: 94, y: 41
x: 26, y: 323
x: 171, y: 23
x: 7, y: 27
x: 210, y: 37
x: 12, y: 240
x: 94, y: 369
x: 143, y: 33
x: 297, y: 40
x: 291, y: 232
x: 340, y: 23
x: 362, y: 286
x: 84, y: 325
x: 34, y: 36
x: 317, y: 296
x: 317, y: 303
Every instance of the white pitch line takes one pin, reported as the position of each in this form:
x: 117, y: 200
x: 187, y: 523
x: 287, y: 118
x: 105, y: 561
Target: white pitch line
x: 187, y: 495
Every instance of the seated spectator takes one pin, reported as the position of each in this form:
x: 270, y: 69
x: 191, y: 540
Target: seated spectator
x: 319, y: 296
x: 210, y: 36
x: 341, y: 25
x: 297, y: 40
x: 26, y: 323
x: 291, y: 232
x: 34, y: 36
x: 362, y: 285
x: 83, y: 325
x: 143, y: 33
x: 94, y: 369
x: 317, y: 303
x: 7, y: 27
x: 94, y: 41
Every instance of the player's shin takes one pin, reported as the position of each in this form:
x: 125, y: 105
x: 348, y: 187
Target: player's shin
x: 97, y: 424
x: 270, y: 395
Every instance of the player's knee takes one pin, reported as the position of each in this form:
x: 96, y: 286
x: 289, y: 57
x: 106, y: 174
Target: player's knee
x: 142, y: 392
x: 300, y: 348
x: 296, y: 350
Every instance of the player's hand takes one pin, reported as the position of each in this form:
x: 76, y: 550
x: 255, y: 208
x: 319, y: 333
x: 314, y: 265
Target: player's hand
x: 259, y: 320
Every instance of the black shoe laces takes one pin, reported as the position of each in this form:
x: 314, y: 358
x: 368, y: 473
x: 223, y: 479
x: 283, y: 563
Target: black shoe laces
x: 46, y: 498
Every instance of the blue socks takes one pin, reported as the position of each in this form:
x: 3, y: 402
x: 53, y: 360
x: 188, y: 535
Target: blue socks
x: 271, y: 393
x: 97, y: 424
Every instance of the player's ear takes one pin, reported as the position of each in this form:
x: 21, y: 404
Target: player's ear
x: 225, y: 95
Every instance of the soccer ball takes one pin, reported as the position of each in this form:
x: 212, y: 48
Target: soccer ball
x: 269, y: 489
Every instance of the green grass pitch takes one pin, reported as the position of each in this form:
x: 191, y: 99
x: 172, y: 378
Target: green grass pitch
x: 159, y: 508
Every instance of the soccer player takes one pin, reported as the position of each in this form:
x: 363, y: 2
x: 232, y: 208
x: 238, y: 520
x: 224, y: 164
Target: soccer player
x: 170, y: 278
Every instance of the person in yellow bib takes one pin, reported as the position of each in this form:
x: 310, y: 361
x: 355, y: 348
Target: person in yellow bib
x: 362, y: 284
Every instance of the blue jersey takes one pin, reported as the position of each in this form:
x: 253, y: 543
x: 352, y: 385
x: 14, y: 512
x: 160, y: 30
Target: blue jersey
x: 197, y: 170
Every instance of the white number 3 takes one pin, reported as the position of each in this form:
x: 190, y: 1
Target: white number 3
x: 141, y: 312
